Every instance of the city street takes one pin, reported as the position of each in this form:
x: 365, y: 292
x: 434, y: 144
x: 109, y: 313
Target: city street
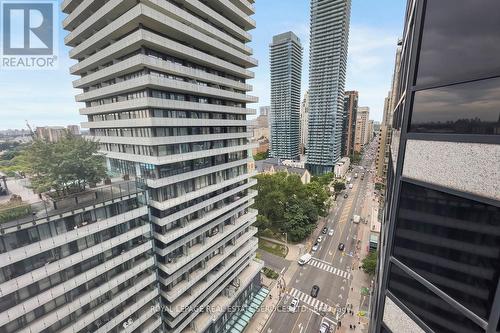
x: 330, y: 268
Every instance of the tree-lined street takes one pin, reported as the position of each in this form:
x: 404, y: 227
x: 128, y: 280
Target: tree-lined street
x: 330, y: 268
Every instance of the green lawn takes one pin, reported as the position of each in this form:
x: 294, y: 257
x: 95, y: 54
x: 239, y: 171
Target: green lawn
x: 274, y: 248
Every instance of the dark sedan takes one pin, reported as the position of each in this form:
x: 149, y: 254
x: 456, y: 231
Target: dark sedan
x: 314, y: 291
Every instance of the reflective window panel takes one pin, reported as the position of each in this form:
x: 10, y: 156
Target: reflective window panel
x: 468, y: 108
x: 460, y: 41
x: 431, y: 309
x: 452, y: 242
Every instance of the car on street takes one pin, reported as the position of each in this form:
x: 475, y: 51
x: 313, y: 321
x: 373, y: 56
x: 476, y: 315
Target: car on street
x: 315, y: 247
x: 325, y: 230
x: 330, y: 233
x: 293, y: 305
x: 320, y: 238
x: 346, y: 195
x: 314, y: 291
x: 341, y: 247
x: 305, y: 259
x: 324, y: 328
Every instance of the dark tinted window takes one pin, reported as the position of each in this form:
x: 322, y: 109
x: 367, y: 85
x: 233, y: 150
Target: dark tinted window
x: 460, y: 40
x: 452, y: 242
x: 383, y: 329
x: 469, y: 108
x: 431, y: 309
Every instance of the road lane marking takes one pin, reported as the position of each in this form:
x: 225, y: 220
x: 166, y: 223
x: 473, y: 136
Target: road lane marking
x: 312, y: 302
x: 328, y: 268
x: 309, y: 320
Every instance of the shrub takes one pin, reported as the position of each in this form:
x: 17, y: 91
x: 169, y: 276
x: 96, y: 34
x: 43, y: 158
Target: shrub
x: 269, y: 273
x: 16, y: 211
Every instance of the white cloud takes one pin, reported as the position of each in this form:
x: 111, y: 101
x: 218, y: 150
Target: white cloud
x: 370, y: 64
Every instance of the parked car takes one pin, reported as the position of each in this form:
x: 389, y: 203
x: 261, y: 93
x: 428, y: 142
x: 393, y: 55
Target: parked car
x: 293, y: 305
x: 341, y: 247
x: 314, y: 291
x: 346, y: 195
x: 325, y: 230
x: 315, y: 247
x: 320, y: 238
x: 330, y: 233
x: 324, y: 328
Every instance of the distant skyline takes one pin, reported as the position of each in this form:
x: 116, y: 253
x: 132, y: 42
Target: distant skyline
x: 47, y: 97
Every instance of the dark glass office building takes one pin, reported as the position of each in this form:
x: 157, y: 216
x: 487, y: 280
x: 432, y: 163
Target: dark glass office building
x: 439, y: 264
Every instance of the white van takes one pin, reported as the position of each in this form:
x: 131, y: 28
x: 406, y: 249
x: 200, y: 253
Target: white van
x: 305, y: 259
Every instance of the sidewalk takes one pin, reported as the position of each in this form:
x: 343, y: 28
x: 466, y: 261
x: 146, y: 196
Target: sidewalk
x: 276, y: 287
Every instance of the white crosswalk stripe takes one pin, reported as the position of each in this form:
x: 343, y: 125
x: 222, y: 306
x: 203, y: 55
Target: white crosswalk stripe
x: 312, y: 302
x: 329, y: 268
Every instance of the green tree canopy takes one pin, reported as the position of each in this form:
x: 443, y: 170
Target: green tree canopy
x: 64, y: 166
x: 338, y: 186
x: 261, y: 156
x: 287, y: 205
x: 369, y: 263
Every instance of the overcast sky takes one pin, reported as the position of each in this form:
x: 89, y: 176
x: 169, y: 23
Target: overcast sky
x: 47, y: 97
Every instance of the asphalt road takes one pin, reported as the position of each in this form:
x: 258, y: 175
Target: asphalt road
x: 274, y: 262
x: 329, y: 269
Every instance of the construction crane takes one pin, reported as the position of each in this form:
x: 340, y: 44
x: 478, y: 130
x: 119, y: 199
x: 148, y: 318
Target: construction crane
x: 32, y: 133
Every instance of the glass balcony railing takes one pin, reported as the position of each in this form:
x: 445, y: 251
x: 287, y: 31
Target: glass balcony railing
x: 17, y: 212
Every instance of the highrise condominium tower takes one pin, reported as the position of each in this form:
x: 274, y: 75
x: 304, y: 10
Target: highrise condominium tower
x: 327, y: 74
x: 361, y: 135
x: 286, y: 71
x: 304, y: 123
x: 439, y: 264
x: 165, y: 93
x: 349, y: 122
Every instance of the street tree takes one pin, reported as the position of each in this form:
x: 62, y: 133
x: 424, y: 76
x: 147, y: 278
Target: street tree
x: 369, y: 263
x: 65, y: 166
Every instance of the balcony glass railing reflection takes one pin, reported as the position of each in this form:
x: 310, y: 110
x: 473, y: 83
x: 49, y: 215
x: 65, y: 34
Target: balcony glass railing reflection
x: 17, y: 212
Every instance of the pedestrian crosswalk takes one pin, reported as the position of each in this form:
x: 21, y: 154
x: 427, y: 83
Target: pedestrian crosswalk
x: 329, y: 268
x: 315, y: 303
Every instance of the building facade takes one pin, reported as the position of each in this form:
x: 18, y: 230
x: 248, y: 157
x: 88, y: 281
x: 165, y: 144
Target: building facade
x: 384, y: 139
x: 369, y: 131
x: 342, y: 167
x: 83, y: 263
x: 304, y: 123
x: 286, y: 72
x: 165, y: 93
x: 361, y: 136
x: 265, y: 110
x: 327, y: 73
x: 50, y: 133
x: 439, y: 264
x: 260, y: 131
x: 349, y: 122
